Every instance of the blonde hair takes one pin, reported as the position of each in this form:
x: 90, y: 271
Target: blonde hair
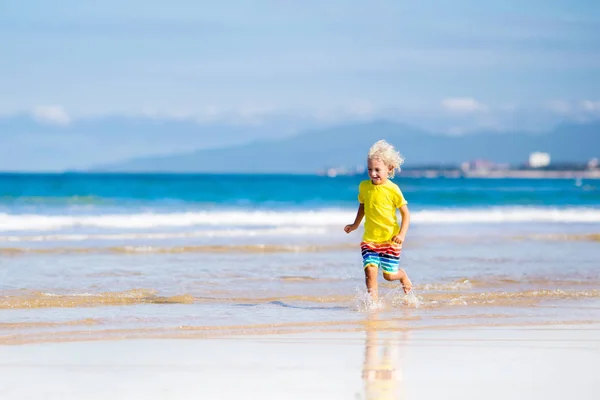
x: 386, y: 153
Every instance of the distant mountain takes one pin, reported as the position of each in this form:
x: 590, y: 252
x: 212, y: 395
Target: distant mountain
x: 347, y: 145
x: 27, y: 143
x: 33, y: 142
x: 103, y: 142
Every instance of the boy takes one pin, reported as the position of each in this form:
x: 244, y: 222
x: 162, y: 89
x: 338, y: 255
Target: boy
x: 379, y: 198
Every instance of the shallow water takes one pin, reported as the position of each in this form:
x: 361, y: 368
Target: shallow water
x: 460, y: 278
x: 112, y: 262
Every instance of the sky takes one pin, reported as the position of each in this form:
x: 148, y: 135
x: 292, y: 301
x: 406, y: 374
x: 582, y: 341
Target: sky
x: 452, y: 66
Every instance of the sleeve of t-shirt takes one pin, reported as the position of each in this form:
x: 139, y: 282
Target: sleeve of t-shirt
x: 399, y: 199
x: 361, y: 198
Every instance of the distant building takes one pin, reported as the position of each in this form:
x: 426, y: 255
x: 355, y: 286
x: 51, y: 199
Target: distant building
x: 539, y: 160
x: 332, y: 172
x: 593, y: 163
x: 479, y: 165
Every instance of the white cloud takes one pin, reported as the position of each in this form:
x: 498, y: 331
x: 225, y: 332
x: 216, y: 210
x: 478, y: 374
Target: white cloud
x: 360, y: 110
x: 211, y: 111
x: 363, y: 109
x: 255, y: 111
x: 463, y: 105
x: 55, y: 115
x: 580, y: 110
x: 166, y: 114
x: 202, y: 114
x: 592, y: 106
x: 560, y: 107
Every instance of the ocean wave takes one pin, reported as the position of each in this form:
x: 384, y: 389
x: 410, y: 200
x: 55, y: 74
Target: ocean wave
x: 48, y: 324
x: 296, y: 218
x: 221, y: 233
x: 175, y: 220
x: 55, y: 200
x: 73, y: 300
x: 258, y: 248
x: 508, y: 215
x: 426, y: 299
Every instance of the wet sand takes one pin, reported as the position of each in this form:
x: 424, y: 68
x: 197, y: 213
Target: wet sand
x: 553, y: 361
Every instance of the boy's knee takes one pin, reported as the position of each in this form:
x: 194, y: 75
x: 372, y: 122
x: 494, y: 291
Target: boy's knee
x: 371, y: 271
x: 388, y: 276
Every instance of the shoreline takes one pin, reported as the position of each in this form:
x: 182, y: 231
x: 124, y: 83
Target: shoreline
x: 406, y: 321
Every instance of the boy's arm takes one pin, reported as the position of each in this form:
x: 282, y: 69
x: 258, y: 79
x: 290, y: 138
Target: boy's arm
x: 399, y: 238
x: 360, y: 213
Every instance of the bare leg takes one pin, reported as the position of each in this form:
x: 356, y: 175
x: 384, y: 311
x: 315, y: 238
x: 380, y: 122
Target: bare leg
x: 401, y: 276
x: 371, y: 280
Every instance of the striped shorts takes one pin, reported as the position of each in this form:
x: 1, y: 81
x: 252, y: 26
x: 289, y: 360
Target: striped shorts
x: 385, y: 255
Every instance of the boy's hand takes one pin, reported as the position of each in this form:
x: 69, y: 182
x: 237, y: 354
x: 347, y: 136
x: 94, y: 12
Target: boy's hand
x: 398, y: 239
x: 350, y: 228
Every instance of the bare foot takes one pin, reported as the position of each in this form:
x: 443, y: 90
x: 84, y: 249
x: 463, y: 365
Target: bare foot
x: 406, y: 284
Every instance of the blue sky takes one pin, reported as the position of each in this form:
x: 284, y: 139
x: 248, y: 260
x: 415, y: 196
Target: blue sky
x: 452, y: 66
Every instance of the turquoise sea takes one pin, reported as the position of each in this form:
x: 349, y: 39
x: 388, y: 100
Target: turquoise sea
x: 100, y: 256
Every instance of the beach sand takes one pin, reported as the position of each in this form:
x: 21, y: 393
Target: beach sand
x: 381, y: 361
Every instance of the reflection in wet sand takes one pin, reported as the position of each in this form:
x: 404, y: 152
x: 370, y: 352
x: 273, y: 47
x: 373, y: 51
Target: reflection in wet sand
x: 382, y: 369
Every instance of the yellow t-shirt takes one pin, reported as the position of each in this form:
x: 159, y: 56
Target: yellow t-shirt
x: 381, y: 202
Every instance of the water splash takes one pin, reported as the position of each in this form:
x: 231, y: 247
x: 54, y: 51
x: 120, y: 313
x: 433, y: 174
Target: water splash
x: 363, y: 302
x: 398, y: 298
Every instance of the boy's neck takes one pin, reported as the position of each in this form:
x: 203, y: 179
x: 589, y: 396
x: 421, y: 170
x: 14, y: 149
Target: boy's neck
x: 383, y: 182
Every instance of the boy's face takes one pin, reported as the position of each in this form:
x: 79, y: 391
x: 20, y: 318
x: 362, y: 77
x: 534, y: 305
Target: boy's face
x: 378, y: 171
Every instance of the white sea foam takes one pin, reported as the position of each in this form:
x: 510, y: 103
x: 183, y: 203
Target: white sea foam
x: 189, y: 219
x: 508, y: 214
x: 322, y: 218
x: 223, y: 233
